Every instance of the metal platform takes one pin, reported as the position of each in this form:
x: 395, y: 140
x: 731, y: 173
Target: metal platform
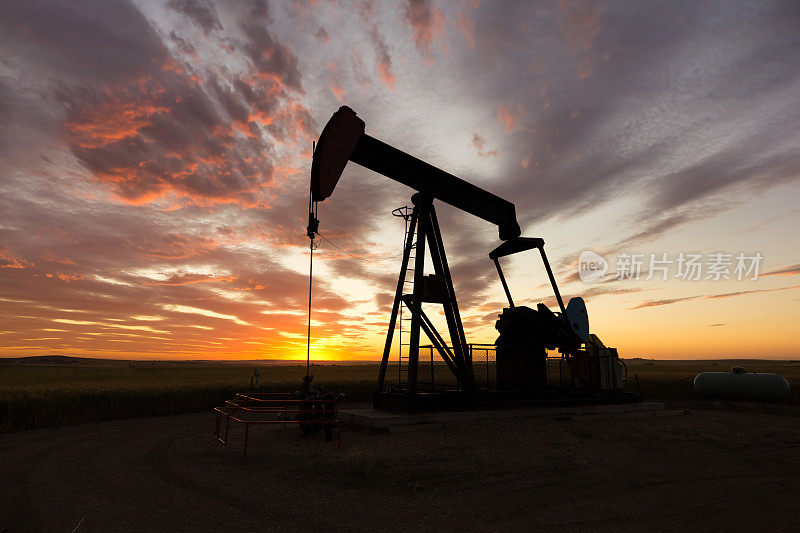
x: 384, y: 420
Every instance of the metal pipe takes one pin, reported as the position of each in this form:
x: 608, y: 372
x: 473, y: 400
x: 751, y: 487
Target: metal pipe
x: 553, y: 283
x: 435, y: 337
x: 503, y: 281
x: 457, y: 337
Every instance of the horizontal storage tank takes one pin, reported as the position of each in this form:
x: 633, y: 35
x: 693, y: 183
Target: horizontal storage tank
x: 739, y: 385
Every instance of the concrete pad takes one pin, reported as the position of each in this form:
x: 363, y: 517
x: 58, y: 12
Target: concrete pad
x: 374, y: 419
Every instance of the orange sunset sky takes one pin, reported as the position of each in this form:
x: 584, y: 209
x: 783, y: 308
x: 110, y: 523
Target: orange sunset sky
x: 155, y: 158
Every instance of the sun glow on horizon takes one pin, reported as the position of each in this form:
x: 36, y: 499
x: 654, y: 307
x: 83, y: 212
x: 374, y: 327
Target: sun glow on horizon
x: 154, y: 196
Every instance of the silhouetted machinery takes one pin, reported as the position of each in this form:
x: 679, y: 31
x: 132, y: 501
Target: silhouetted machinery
x: 595, y: 371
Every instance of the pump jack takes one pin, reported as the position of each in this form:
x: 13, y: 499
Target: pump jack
x: 525, y: 333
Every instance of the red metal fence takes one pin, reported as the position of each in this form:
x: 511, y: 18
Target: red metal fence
x: 257, y: 408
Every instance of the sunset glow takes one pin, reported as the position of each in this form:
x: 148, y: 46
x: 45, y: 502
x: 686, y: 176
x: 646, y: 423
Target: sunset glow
x: 155, y: 160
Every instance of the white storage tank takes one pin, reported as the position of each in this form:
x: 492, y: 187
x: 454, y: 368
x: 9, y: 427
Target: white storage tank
x: 740, y: 385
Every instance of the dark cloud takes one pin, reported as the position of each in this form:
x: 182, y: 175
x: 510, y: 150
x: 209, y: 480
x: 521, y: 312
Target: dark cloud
x: 153, y: 128
x: 656, y: 226
x: 479, y: 143
x: 656, y: 303
x: 269, y: 57
x: 322, y: 35
x: 741, y: 163
x: 202, y: 13
x: 384, y: 57
x: 649, y: 109
x: 666, y: 301
x: 752, y: 291
x: 788, y: 271
x: 259, y: 11
x: 426, y: 21
x: 591, y: 292
x: 138, y: 145
x: 80, y: 41
x: 384, y: 301
x: 187, y: 148
x: 182, y: 44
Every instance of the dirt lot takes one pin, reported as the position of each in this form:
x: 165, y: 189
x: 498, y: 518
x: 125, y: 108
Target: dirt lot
x: 705, y: 470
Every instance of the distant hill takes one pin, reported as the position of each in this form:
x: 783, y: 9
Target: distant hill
x: 90, y: 361
x: 46, y: 360
x: 712, y: 362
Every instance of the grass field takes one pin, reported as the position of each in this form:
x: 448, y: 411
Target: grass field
x: 38, y: 395
x: 51, y: 395
x: 672, y: 380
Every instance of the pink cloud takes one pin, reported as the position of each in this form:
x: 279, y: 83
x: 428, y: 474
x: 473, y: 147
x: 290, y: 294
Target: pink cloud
x: 467, y: 28
x: 479, y: 144
x: 426, y: 21
x: 9, y: 260
x: 509, y: 115
x: 580, y: 25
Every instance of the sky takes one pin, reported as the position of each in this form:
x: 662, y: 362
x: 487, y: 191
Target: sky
x: 155, y: 160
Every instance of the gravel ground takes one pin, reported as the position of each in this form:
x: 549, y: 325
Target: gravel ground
x: 707, y: 470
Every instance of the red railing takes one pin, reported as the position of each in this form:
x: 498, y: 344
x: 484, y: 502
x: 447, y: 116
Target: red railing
x: 263, y: 406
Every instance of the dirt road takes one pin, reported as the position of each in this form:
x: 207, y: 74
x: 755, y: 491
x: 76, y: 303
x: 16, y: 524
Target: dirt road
x: 706, y: 470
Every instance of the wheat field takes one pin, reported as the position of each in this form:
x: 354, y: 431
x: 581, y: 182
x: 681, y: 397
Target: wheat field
x: 52, y: 395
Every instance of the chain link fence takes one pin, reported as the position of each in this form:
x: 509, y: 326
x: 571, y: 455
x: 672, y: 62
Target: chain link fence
x: 434, y: 374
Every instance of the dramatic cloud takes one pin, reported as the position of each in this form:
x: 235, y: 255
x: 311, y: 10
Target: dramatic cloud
x: 200, y: 12
x: 597, y: 136
x: 657, y: 303
x: 322, y: 35
x: 367, y: 11
x: 479, y: 143
x: 788, y: 271
x: 426, y: 21
x: 154, y: 160
x: 384, y: 58
x: 467, y: 28
x: 667, y: 301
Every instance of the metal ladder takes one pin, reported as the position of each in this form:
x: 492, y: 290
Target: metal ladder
x: 404, y: 333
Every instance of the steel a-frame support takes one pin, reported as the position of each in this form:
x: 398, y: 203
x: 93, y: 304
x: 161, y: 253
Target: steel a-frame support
x: 424, y: 225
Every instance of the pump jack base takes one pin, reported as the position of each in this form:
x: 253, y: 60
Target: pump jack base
x: 454, y: 400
